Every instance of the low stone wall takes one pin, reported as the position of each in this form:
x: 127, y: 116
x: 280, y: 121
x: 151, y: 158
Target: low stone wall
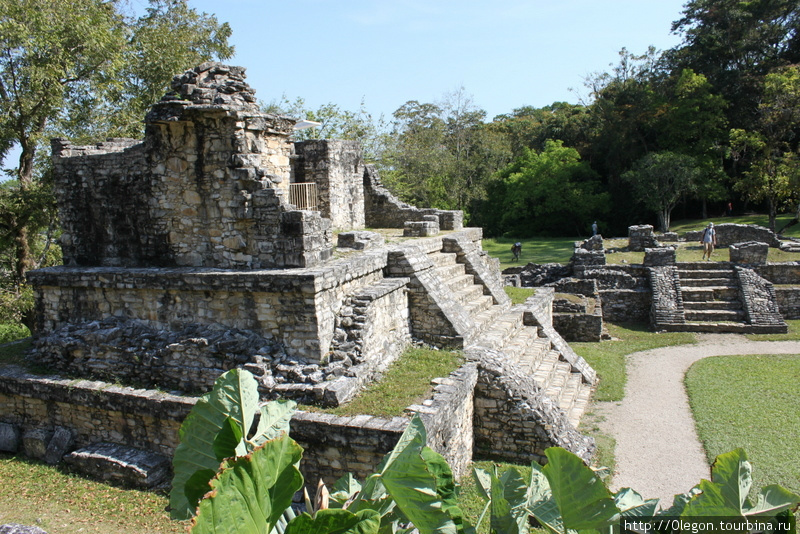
x: 788, y: 299
x: 514, y: 420
x: 728, y: 234
x: 93, y: 411
x: 579, y: 326
x: 758, y: 298
x: 667, y: 304
x: 750, y: 252
x: 626, y: 305
x: 641, y: 237
x: 780, y: 273
x: 383, y: 210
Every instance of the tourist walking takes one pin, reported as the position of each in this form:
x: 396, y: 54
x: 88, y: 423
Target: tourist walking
x: 709, y: 241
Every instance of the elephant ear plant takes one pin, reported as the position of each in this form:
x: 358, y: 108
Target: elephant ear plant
x: 242, y: 482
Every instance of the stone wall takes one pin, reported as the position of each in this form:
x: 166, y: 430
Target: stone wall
x: 93, y: 411
x: 514, y: 420
x: 667, y: 300
x: 728, y: 234
x: 788, y: 299
x: 758, y: 298
x: 750, y: 252
x: 338, y: 170
x: 780, y: 273
x: 383, y: 210
x: 206, y: 188
x: 294, y: 307
x: 626, y: 305
x: 641, y: 237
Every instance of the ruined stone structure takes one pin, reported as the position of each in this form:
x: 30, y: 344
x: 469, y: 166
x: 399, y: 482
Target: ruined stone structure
x: 209, y: 246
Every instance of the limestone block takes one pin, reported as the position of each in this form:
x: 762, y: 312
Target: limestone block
x: 59, y: 445
x: 9, y: 437
x: 14, y: 528
x: 35, y: 441
x: 751, y: 252
x: 122, y: 464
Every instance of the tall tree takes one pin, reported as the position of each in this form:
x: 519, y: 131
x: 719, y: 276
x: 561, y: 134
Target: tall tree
x: 659, y: 179
x: 735, y: 44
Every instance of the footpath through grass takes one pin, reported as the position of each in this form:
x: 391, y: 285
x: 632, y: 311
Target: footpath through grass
x: 608, y: 357
x: 750, y: 402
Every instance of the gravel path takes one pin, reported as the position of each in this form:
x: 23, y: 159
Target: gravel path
x: 658, y: 453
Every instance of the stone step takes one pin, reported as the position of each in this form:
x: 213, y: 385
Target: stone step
x: 445, y: 272
x: 535, y: 354
x: 706, y: 274
x: 457, y: 282
x: 441, y: 259
x: 503, y: 327
x: 702, y: 294
x: 122, y: 464
x: 568, y: 392
x: 710, y: 305
x: 477, y: 305
x: 485, y: 318
x: 579, y: 405
x: 516, y: 347
x: 726, y: 328
x: 546, y: 369
x: 715, y: 316
x: 706, y: 282
x: 558, y: 380
x: 467, y: 295
x: 704, y: 266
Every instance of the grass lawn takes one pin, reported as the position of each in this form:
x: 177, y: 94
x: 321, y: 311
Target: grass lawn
x: 407, y: 381
x: 535, y: 249
x: 792, y: 335
x: 63, y: 503
x: 686, y: 225
x: 750, y: 402
x: 608, y: 357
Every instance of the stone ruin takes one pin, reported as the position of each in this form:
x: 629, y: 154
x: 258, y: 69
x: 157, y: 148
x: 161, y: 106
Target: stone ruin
x: 209, y: 246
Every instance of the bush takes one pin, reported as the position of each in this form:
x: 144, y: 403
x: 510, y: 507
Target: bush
x: 12, y: 332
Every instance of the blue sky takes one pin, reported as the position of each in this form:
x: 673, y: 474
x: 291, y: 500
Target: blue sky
x: 505, y: 54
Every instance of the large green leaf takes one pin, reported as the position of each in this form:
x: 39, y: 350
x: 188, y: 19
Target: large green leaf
x: 727, y: 492
x: 275, y: 418
x: 541, y: 503
x: 251, y: 493
x: 509, y: 499
x: 631, y: 504
x: 335, y: 521
x: 343, y: 490
x: 407, y: 479
x: 208, y: 435
x: 582, y: 499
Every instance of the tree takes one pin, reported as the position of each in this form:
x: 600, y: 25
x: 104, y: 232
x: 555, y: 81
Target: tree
x: 659, y: 179
x: 86, y: 69
x: 551, y: 192
x: 735, y: 44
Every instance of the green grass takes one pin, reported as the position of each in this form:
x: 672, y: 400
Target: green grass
x: 792, y: 335
x: 63, y: 503
x: 407, y: 381
x: 518, y: 295
x: 686, y: 225
x: 608, y: 357
x: 14, y: 352
x: 537, y: 250
x: 750, y: 402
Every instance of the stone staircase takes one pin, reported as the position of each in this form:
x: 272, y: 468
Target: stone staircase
x: 504, y: 328
x: 709, y: 297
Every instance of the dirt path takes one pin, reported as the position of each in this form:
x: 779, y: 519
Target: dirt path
x: 658, y: 453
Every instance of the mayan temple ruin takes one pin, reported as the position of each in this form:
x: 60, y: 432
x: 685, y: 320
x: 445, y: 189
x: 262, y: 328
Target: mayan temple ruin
x: 216, y: 243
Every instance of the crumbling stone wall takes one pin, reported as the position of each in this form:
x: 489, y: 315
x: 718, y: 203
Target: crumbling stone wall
x: 729, y: 233
x: 337, y: 169
x: 758, y: 298
x: 206, y: 188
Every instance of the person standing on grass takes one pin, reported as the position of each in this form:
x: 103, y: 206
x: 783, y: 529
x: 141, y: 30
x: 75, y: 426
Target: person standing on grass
x: 594, y: 228
x: 709, y: 240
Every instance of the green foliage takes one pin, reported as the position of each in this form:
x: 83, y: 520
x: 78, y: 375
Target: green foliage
x: 218, y: 428
x: 545, y: 192
x: 414, y: 486
x: 13, y: 332
x: 250, y: 493
x: 660, y: 179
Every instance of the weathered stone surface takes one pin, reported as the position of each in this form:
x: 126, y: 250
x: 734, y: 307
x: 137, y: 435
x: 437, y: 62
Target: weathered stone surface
x: 750, y: 252
x: 35, y: 441
x: 362, y: 240
x: 14, y: 528
x: 659, y: 257
x: 121, y: 464
x: 583, y: 257
x: 60, y: 444
x: 641, y: 237
x: 593, y: 243
x: 729, y: 234
x: 9, y: 437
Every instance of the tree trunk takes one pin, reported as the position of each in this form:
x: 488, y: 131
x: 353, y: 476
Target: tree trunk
x: 705, y: 209
x: 773, y: 213
x: 663, y: 220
